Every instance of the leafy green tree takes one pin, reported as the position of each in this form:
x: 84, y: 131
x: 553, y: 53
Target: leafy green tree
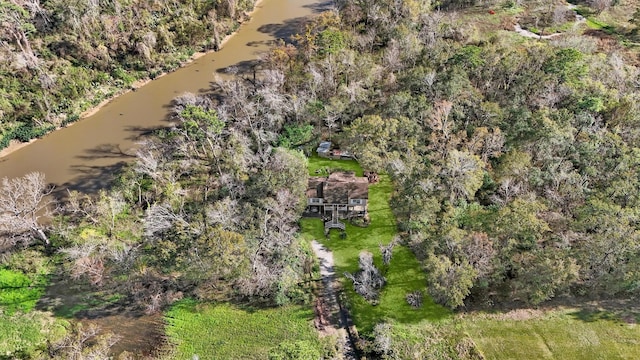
x: 295, y: 135
x: 609, y: 249
x: 449, y: 282
x: 543, y: 274
x: 330, y: 42
x: 370, y: 138
x: 463, y: 172
x: 521, y: 223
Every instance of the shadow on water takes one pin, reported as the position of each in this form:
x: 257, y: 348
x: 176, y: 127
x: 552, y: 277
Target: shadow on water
x: 245, y: 67
x: 321, y: 6
x: 107, y: 151
x: 285, y: 30
x: 140, y: 132
x: 258, y: 44
x: 90, y: 179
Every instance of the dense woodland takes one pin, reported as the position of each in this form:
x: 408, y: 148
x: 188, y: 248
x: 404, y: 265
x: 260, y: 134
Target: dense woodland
x: 515, y: 161
x: 58, y: 58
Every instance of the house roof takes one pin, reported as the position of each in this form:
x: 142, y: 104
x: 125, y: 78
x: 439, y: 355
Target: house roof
x: 324, y: 146
x: 338, y: 187
x: 314, y: 190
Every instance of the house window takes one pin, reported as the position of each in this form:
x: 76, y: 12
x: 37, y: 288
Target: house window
x: 316, y: 201
x: 357, y: 201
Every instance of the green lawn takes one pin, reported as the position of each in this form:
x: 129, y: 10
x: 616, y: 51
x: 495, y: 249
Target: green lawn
x: 404, y: 274
x: 18, y: 291
x: 224, y: 331
x: 561, y: 334
x: 23, y: 335
x: 317, y: 163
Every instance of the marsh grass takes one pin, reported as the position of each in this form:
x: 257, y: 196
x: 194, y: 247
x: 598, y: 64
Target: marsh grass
x: 559, y: 334
x: 224, y: 331
x: 18, y: 292
x: 22, y: 335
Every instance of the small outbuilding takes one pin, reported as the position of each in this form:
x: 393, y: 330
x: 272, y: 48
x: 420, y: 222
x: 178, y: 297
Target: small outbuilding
x: 324, y: 149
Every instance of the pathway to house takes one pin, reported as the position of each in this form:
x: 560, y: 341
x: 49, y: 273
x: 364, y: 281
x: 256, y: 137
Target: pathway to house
x: 526, y: 33
x: 332, y: 318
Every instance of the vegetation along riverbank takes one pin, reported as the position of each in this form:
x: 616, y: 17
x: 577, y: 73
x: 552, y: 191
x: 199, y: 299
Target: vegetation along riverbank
x: 63, y: 62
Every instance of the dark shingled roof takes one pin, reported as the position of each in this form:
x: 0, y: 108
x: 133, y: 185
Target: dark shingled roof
x: 338, y: 188
x: 314, y: 190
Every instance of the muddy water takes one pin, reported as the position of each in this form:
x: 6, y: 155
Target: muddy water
x: 85, y: 156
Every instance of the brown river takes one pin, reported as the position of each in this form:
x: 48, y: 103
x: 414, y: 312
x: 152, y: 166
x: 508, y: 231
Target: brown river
x: 85, y: 156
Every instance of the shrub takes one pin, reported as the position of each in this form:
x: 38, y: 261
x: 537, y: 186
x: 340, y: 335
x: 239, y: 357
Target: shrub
x: 295, y: 350
x: 414, y: 299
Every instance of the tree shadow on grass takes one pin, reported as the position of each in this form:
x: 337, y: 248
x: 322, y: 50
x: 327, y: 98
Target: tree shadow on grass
x: 616, y: 310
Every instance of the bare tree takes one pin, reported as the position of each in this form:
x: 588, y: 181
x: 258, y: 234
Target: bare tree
x: 387, y: 250
x: 414, y: 299
x: 480, y: 252
x: 160, y: 218
x: 23, y: 202
x: 600, y: 5
x: 15, y: 26
x: 368, y: 281
x: 83, y: 344
x: 87, y: 261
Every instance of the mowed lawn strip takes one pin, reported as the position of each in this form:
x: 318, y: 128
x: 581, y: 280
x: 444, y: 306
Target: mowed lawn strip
x: 224, y: 331
x: 559, y: 334
x: 404, y: 274
x: 317, y: 164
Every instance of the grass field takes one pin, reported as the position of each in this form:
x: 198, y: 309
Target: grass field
x: 224, y: 331
x: 317, y: 164
x: 560, y: 334
x: 405, y: 273
x: 18, y: 291
x: 24, y: 334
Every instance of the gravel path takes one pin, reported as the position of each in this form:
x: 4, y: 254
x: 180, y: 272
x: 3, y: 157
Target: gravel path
x: 526, y: 33
x: 331, y: 318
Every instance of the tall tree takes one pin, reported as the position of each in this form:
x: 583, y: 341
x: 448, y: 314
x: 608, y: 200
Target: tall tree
x: 24, y: 202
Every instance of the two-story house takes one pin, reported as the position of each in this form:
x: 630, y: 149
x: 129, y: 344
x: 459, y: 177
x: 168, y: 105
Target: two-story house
x: 340, y: 195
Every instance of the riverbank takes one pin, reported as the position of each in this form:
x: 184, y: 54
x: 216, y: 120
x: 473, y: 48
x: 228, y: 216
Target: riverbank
x: 15, y: 145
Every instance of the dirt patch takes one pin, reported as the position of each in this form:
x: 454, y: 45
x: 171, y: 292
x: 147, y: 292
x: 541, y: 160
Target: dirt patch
x: 139, y: 334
